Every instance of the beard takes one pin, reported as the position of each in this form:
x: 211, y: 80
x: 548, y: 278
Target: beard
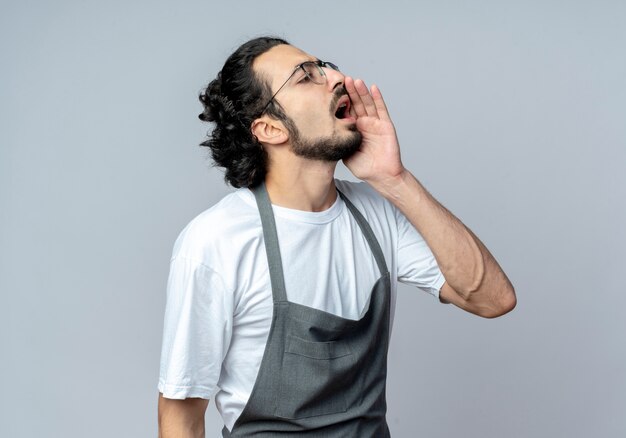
x: 331, y: 148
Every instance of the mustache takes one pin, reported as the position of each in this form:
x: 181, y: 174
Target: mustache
x: 337, y: 94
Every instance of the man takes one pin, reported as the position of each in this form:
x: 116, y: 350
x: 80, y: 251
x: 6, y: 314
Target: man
x: 280, y: 297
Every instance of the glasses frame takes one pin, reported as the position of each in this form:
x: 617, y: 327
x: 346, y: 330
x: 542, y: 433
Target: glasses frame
x: 318, y: 63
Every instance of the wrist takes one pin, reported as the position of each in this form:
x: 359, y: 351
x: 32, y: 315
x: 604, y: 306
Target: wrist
x: 404, y: 191
x: 392, y: 187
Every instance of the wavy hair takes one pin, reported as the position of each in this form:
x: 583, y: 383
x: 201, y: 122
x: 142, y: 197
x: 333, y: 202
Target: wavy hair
x: 232, y: 101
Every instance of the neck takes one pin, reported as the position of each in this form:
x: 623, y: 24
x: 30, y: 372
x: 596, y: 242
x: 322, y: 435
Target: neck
x: 302, y: 184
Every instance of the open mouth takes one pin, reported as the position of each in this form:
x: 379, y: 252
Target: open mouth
x: 343, y: 108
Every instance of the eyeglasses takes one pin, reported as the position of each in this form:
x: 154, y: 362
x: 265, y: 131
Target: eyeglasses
x: 312, y: 72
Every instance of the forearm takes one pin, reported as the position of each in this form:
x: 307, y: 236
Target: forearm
x: 474, y: 281
x: 467, y: 265
x: 181, y: 418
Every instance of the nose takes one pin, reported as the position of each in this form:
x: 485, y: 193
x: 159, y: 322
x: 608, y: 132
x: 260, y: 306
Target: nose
x: 334, y: 78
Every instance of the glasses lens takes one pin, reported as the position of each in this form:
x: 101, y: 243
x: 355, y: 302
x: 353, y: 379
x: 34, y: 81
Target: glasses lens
x: 314, y: 72
x: 331, y: 65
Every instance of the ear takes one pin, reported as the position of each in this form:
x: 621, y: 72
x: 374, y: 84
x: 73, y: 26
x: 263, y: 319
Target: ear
x: 270, y: 131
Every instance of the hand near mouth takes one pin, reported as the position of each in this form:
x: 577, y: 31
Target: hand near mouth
x: 378, y: 159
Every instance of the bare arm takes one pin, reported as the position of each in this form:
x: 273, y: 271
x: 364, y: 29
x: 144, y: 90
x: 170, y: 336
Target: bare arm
x: 181, y: 418
x: 474, y: 280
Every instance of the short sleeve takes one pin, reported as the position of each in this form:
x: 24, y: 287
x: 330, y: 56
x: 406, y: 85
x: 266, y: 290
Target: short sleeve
x: 197, y: 330
x: 417, y: 265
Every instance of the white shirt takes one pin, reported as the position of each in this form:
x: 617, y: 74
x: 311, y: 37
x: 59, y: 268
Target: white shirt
x: 219, y: 297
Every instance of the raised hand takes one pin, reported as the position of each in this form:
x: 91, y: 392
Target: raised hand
x: 378, y: 159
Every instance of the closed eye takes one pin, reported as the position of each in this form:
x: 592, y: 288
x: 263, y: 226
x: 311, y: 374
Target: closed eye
x: 304, y: 79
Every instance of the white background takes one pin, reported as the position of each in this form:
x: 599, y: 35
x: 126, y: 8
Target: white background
x: 511, y: 113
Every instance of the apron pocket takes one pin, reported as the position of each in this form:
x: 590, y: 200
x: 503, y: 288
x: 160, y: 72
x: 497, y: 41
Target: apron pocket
x: 314, y: 378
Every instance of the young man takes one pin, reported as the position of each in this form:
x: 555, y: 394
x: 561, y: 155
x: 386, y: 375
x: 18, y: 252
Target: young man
x: 280, y: 297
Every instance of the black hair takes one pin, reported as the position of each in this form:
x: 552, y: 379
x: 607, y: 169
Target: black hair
x: 233, y: 100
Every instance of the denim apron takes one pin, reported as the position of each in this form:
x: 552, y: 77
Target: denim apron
x: 321, y: 375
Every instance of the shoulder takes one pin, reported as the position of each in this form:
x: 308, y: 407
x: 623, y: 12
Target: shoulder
x: 214, y: 230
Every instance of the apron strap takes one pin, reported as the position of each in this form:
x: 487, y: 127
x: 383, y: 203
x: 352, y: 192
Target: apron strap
x: 369, y: 235
x: 271, y: 242
x: 272, y: 249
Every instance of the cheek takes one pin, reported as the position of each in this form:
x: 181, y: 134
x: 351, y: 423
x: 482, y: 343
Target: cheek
x: 312, y: 123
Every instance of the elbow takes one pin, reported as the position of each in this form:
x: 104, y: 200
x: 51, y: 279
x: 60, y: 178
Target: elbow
x: 505, y: 302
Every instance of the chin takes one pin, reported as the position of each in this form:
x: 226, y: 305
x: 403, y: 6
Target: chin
x: 330, y: 149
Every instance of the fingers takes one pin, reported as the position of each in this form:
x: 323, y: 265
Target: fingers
x: 381, y: 108
x: 358, y: 107
x: 366, y: 98
x: 364, y: 102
